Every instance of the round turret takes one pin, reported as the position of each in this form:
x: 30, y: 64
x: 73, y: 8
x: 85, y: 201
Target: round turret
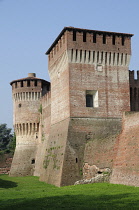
x: 26, y: 117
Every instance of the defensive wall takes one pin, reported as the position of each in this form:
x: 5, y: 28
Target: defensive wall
x: 126, y: 164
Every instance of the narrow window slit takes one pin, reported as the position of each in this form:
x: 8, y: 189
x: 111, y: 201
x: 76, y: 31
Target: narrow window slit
x: 84, y: 36
x: 21, y: 84
x: 28, y: 83
x: 74, y: 35
x: 94, y: 38
x: 35, y: 83
x: 113, y: 39
x: 123, y: 40
x: 104, y: 38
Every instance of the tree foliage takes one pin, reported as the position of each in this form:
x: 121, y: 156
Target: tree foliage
x: 7, y: 139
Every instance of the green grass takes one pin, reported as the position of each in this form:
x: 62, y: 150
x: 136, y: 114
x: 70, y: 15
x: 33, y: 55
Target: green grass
x: 28, y: 193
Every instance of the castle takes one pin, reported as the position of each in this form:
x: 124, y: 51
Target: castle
x: 84, y: 115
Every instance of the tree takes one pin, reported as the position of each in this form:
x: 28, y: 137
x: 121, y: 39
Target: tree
x: 12, y: 143
x: 6, y: 137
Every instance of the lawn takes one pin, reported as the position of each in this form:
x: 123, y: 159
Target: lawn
x: 28, y: 193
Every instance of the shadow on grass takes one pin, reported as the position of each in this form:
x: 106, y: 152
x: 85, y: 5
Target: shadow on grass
x: 7, y: 184
x: 73, y: 202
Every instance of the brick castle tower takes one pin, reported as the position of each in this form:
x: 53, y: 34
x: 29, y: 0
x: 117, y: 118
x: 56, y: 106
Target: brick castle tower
x: 26, y: 103
x: 89, y: 92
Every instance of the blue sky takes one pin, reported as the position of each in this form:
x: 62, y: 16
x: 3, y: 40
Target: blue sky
x: 28, y: 28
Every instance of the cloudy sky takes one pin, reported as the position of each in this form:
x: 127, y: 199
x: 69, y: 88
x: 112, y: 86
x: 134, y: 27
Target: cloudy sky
x: 28, y: 28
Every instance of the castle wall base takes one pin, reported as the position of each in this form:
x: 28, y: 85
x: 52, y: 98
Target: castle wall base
x: 23, y: 161
x: 54, y: 153
x: 74, y: 141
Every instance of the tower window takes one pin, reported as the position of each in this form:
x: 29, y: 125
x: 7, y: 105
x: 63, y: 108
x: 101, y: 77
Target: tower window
x: 74, y: 35
x: 35, y: 83
x: 84, y: 36
x: 28, y: 83
x: 19, y: 105
x: 123, y: 40
x: 91, y: 98
x: 94, y: 38
x: 113, y: 39
x: 104, y: 38
x: 33, y: 161
x: 21, y: 84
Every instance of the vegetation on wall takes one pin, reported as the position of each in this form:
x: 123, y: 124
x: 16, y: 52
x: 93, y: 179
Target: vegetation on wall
x: 52, y: 155
x: 40, y: 108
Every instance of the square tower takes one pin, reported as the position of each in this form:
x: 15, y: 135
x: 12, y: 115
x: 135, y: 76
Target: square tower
x: 89, y: 65
x: 89, y: 92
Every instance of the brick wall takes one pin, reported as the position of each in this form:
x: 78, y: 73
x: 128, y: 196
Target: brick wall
x: 126, y: 164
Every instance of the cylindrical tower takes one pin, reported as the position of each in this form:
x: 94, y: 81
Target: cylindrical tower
x: 26, y: 116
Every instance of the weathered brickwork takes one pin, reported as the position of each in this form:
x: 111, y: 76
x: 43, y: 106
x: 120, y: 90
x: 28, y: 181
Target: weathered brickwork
x: 126, y: 164
x: 78, y: 120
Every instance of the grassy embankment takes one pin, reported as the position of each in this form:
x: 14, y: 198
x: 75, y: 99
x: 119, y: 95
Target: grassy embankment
x: 28, y: 193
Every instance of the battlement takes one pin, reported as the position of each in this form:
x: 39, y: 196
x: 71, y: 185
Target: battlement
x: 85, y: 39
x: 134, y: 75
x: 30, y: 82
x: 134, y: 90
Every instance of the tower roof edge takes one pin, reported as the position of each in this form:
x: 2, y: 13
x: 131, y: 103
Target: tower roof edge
x: 70, y: 28
x: 29, y: 78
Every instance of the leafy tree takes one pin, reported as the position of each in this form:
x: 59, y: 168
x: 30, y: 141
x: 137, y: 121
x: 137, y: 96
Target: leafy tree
x: 6, y: 137
x: 12, y: 143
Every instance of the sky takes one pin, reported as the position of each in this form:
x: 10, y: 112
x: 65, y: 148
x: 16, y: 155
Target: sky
x: 29, y: 27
